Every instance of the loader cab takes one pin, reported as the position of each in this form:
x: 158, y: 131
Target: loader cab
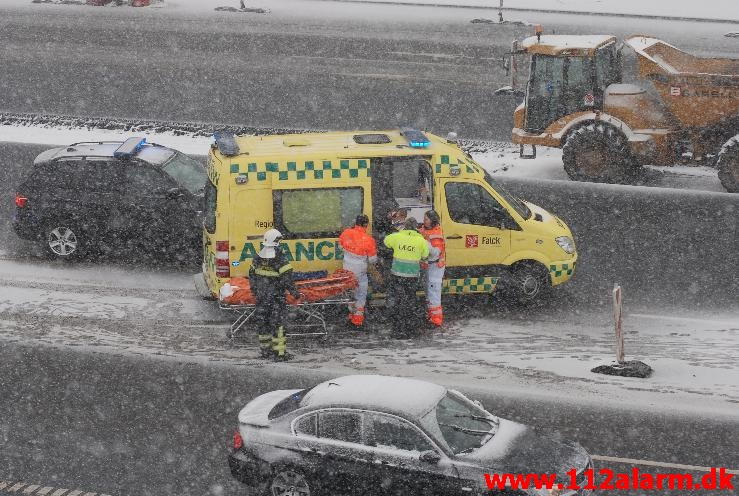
x: 568, y: 74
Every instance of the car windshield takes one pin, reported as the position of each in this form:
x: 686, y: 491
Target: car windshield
x: 463, y: 426
x: 514, y: 202
x: 187, y: 172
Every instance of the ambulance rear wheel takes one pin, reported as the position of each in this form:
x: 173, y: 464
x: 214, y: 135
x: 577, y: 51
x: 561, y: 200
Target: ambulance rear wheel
x: 728, y: 165
x: 527, y: 283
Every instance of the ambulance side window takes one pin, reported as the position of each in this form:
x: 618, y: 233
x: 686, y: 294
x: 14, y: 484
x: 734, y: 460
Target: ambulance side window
x: 316, y: 213
x: 470, y: 203
x: 211, y: 193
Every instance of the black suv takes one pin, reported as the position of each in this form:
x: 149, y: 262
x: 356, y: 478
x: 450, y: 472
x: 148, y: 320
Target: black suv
x: 97, y: 195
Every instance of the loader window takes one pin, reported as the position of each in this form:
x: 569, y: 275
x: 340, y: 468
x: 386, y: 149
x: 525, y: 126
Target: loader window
x: 316, y: 213
x: 558, y: 86
x: 606, y: 67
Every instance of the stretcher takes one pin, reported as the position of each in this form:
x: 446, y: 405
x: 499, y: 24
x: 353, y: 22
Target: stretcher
x: 305, y: 317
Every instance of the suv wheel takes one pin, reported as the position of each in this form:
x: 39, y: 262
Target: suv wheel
x: 63, y: 241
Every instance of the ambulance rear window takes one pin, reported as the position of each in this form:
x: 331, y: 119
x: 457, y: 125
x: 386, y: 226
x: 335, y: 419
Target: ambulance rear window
x: 316, y: 213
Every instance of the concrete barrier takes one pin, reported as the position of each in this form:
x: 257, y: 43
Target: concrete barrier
x: 663, y: 246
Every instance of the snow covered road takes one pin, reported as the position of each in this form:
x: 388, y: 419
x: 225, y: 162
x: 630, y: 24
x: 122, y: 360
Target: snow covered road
x: 144, y: 425
x: 548, y: 352
x: 306, y: 64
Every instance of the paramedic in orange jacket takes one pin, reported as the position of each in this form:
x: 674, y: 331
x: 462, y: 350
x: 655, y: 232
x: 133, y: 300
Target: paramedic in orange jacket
x: 431, y: 230
x: 360, y: 250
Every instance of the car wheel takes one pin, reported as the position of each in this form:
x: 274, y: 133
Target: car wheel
x: 63, y: 241
x: 287, y: 481
x: 527, y: 283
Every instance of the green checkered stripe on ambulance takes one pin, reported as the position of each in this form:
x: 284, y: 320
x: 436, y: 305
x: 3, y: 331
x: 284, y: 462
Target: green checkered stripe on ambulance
x: 558, y: 270
x: 465, y: 165
x: 469, y: 285
x: 302, y: 170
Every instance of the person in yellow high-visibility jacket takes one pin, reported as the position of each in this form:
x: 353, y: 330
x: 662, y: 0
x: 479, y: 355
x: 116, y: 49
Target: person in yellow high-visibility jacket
x: 409, y: 248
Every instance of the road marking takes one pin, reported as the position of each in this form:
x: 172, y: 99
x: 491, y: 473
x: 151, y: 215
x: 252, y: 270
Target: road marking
x: 686, y: 319
x: 7, y: 487
x: 651, y: 463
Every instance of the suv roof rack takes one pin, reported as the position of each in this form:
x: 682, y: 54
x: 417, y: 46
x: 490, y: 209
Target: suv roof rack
x: 95, y: 143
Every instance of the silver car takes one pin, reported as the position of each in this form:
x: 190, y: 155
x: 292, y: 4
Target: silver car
x: 370, y: 434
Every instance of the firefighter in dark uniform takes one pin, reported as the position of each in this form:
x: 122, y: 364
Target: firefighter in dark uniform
x: 270, y: 276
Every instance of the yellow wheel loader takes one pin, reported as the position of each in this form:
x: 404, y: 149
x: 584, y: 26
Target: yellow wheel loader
x: 612, y: 108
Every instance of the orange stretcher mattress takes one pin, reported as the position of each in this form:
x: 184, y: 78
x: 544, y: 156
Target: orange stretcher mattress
x: 313, y: 290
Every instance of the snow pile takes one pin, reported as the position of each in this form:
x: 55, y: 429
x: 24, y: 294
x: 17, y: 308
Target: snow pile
x: 499, y: 158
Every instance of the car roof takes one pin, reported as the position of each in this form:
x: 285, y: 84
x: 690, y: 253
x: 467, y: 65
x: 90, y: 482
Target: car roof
x: 150, y: 152
x: 409, y: 398
x: 333, y: 143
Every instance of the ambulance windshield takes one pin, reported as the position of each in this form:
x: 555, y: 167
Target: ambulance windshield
x: 514, y: 202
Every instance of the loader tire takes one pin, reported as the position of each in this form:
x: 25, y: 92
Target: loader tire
x: 728, y: 165
x: 598, y: 153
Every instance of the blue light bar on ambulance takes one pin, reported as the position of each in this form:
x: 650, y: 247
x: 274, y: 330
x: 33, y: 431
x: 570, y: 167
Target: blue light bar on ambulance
x: 226, y: 143
x: 129, y: 148
x: 416, y: 139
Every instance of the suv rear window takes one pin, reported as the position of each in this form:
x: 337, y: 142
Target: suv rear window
x: 289, y: 404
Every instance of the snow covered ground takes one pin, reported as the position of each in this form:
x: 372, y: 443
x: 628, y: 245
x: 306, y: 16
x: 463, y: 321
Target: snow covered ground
x: 548, y: 352
x: 499, y: 158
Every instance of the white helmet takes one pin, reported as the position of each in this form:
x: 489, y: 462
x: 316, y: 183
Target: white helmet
x: 272, y: 238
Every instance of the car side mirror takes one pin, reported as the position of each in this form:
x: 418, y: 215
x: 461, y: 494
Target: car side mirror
x: 174, y: 193
x: 508, y: 90
x: 430, y: 456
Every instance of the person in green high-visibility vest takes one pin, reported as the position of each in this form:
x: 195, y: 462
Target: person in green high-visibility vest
x: 409, y: 247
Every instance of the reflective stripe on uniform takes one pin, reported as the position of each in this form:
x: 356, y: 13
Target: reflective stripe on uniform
x: 285, y: 268
x: 271, y: 272
x: 266, y: 272
x: 279, y: 342
x: 405, y: 268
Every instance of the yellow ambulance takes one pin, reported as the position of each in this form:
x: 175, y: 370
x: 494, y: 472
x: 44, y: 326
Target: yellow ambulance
x: 311, y: 186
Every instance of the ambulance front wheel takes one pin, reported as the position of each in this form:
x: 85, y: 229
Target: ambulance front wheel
x: 527, y: 283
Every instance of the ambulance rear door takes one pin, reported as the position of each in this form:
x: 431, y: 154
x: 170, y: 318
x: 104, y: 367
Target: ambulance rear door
x: 250, y: 217
x: 214, y: 226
